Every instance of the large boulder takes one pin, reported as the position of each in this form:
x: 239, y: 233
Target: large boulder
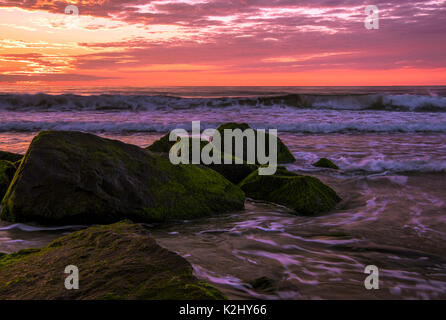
x: 73, y: 177
x: 306, y: 195
x: 13, y: 157
x: 283, y: 153
x: 119, y: 261
x: 7, y: 170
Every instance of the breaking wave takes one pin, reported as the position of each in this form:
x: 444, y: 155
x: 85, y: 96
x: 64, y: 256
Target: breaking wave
x: 117, y: 102
x: 140, y: 127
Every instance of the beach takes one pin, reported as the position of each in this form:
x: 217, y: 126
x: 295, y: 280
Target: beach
x: 389, y: 143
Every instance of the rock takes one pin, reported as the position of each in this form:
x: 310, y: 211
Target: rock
x: 190, y: 141
x: 7, y: 170
x: 233, y: 172
x: 13, y: 157
x: 283, y: 153
x: 233, y: 126
x: 325, y: 163
x: 17, y: 163
x: 262, y: 284
x: 306, y: 195
x: 118, y: 261
x: 73, y: 177
x: 163, y: 145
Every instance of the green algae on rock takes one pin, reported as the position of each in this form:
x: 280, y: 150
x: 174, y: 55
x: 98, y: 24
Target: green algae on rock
x: 325, y: 163
x: 118, y: 261
x: 233, y: 172
x: 9, y: 156
x: 283, y: 153
x: 7, y: 170
x: 73, y: 177
x: 306, y: 195
x: 163, y: 145
x: 187, y: 143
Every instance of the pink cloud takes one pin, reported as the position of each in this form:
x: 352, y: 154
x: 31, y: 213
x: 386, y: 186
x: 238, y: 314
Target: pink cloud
x: 265, y: 36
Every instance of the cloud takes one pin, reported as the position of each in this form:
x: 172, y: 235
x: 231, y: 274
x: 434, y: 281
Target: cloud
x: 50, y: 77
x: 238, y: 36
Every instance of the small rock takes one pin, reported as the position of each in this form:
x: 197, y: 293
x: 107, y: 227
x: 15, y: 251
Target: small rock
x: 325, y: 163
x: 306, y: 195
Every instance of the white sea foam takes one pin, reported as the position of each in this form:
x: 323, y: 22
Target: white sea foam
x: 382, y: 165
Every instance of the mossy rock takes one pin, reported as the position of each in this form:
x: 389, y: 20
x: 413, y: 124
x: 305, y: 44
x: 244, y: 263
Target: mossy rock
x: 7, y: 170
x: 233, y: 172
x: 306, y: 195
x: 119, y: 261
x: 163, y: 145
x: 325, y: 163
x: 13, y: 157
x: 233, y: 126
x: 73, y: 177
x: 283, y: 153
x: 189, y: 141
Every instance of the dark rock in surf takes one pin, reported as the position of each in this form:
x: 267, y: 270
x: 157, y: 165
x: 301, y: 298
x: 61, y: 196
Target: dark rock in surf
x: 283, y: 153
x: 7, y: 170
x: 304, y: 194
x: 119, y: 261
x: 263, y: 285
x: 73, y: 177
x: 233, y: 172
x: 325, y: 163
x: 163, y: 145
x: 13, y: 157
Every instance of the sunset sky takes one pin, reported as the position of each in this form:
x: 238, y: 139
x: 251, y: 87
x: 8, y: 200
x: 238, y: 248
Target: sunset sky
x: 217, y: 42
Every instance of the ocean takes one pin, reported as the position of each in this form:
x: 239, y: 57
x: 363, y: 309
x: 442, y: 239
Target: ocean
x: 390, y: 145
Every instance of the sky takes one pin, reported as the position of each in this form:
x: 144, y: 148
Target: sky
x: 221, y: 43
